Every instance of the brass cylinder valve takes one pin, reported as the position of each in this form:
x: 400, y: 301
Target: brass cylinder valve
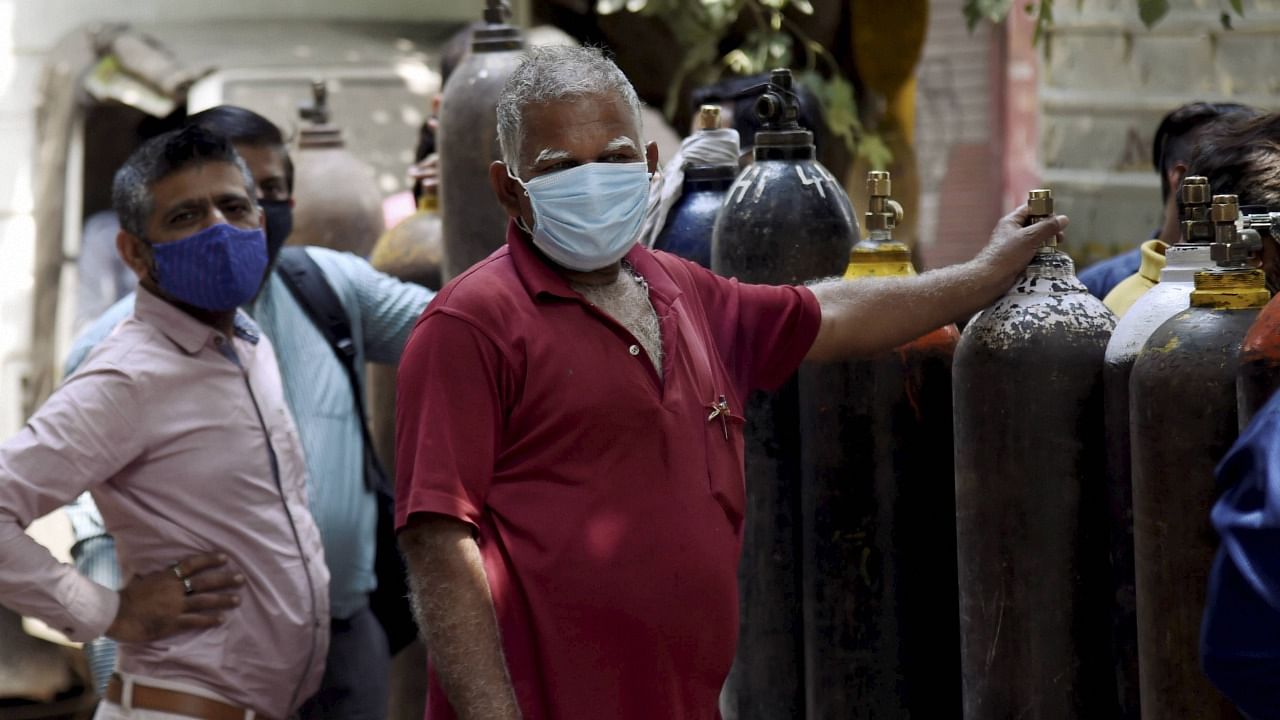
x: 1040, y: 204
x: 883, y: 212
x: 1231, y: 248
x: 709, y: 117
x: 1196, y: 199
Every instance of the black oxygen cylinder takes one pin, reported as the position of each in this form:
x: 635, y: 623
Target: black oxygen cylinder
x: 1031, y: 498
x: 881, y: 600
x: 1183, y: 419
x: 786, y: 220
x: 473, y: 222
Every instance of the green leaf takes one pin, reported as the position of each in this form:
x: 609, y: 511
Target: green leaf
x: 1044, y: 20
x: 875, y: 152
x: 803, y: 6
x: 739, y: 63
x: 838, y: 106
x: 1152, y: 11
x: 1238, y: 6
x: 1225, y: 18
x: 975, y: 11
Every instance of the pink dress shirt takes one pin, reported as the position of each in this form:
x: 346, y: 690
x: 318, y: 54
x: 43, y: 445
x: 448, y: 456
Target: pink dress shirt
x: 184, y: 439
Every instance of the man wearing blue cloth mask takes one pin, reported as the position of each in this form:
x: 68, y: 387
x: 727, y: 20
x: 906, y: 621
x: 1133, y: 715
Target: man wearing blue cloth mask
x: 325, y: 405
x: 178, y: 426
x: 1240, y: 637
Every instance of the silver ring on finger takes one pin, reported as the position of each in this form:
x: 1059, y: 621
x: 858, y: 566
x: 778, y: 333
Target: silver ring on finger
x: 177, y: 571
x: 186, y: 586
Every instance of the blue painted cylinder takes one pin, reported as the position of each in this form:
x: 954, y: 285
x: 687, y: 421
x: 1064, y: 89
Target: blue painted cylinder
x: 692, y: 219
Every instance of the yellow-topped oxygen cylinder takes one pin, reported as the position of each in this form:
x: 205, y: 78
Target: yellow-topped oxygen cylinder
x: 879, y: 254
x: 878, y: 491
x: 1183, y: 417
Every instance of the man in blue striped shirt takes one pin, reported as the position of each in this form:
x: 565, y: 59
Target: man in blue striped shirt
x: 381, y: 311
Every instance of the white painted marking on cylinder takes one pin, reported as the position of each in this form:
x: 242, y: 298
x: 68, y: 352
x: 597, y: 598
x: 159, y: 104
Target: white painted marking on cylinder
x: 743, y: 185
x: 764, y: 180
x: 815, y: 181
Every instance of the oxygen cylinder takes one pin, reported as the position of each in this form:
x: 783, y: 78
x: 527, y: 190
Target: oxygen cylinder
x: 1259, y: 375
x: 881, y: 605
x: 414, y: 248
x: 337, y: 202
x: 1169, y: 297
x: 474, y: 223
x: 786, y: 220
x: 1183, y: 418
x: 410, y: 251
x: 1030, y: 497
x: 687, y: 232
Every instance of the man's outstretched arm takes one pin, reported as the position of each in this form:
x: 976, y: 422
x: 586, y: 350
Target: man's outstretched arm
x: 454, y: 609
x: 878, y: 314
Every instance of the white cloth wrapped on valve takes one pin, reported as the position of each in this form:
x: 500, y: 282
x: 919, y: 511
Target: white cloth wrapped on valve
x: 705, y: 147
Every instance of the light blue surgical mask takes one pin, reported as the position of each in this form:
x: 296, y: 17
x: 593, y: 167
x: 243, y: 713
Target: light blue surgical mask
x: 587, y: 218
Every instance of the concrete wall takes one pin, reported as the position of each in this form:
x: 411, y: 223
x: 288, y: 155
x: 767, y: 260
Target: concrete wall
x: 1105, y: 85
x: 28, y: 29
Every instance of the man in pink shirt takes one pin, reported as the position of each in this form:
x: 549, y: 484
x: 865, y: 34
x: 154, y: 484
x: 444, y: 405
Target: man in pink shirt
x: 177, y: 425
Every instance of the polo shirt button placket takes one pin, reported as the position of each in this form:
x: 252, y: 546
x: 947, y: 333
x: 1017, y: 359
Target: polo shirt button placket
x: 634, y: 350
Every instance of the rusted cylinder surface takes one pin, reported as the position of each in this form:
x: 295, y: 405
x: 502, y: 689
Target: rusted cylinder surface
x: 1259, y: 375
x: 1031, y: 502
x: 881, y: 615
x: 1183, y: 418
x: 474, y: 223
x: 785, y: 221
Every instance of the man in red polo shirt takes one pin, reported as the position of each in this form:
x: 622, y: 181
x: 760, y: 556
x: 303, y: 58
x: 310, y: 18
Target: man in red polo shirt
x: 569, y: 438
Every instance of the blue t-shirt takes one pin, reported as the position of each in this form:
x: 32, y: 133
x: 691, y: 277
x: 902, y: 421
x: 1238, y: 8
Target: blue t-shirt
x: 1102, y: 276
x: 1240, y: 636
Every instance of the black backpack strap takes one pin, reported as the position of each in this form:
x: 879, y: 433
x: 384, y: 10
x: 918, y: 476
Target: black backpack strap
x: 389, y: 602
x: 313, y: 292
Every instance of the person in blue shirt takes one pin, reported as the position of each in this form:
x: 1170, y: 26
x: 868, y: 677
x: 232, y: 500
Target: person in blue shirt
x: 381, y: 311
x: 1171, y: 152
x: 1240, y: 635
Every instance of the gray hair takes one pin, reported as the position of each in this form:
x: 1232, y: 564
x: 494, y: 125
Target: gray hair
x: 160, y: 157
x: 553, y: 73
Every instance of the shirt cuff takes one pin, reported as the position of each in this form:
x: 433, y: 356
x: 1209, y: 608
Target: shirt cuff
x: 90, y: 608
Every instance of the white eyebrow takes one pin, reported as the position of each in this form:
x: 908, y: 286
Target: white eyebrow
x: 621, y: 142
x: 549, y: 154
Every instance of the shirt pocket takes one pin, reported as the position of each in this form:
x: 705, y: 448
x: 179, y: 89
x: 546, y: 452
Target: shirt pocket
x: 724, y: 449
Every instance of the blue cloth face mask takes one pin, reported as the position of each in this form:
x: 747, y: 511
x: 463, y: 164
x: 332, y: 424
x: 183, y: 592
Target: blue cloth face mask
x: 587, y: 218
x: 219, y: 268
